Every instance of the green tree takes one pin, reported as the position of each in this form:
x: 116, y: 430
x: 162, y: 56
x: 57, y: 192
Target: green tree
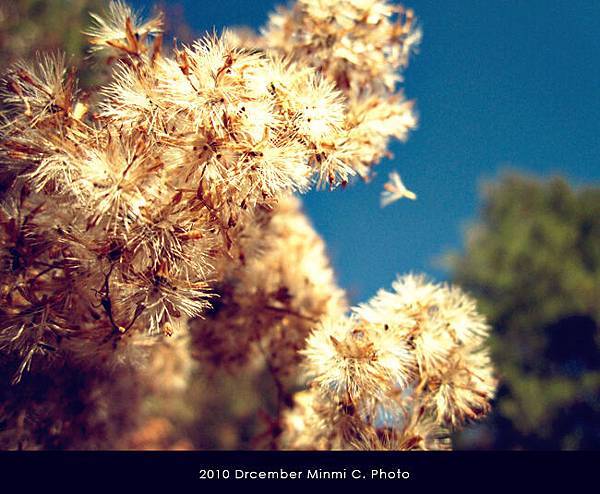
x: 533, y: 262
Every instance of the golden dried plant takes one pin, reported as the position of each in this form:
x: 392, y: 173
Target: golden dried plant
x: 156, y: 228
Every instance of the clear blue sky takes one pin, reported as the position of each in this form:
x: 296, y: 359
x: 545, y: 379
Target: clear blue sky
x: 497, y: 83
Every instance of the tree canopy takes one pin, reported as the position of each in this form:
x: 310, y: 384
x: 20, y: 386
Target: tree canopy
x: 533, y: 262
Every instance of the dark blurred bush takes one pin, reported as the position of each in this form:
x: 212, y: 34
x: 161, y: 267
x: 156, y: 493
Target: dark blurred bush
x: 533, y: 262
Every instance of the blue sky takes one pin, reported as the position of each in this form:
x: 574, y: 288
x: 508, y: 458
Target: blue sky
x: 497, y: 83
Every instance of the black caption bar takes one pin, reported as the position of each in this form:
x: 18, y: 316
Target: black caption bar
x: 196, y: 469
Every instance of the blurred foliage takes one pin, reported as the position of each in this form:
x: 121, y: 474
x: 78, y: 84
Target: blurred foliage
x: 30, y: 26
x: 533, y: 262
x: 222, y: 410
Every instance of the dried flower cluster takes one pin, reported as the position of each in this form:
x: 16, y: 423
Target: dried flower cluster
x: 152, y: 225
x: 399, y: 373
